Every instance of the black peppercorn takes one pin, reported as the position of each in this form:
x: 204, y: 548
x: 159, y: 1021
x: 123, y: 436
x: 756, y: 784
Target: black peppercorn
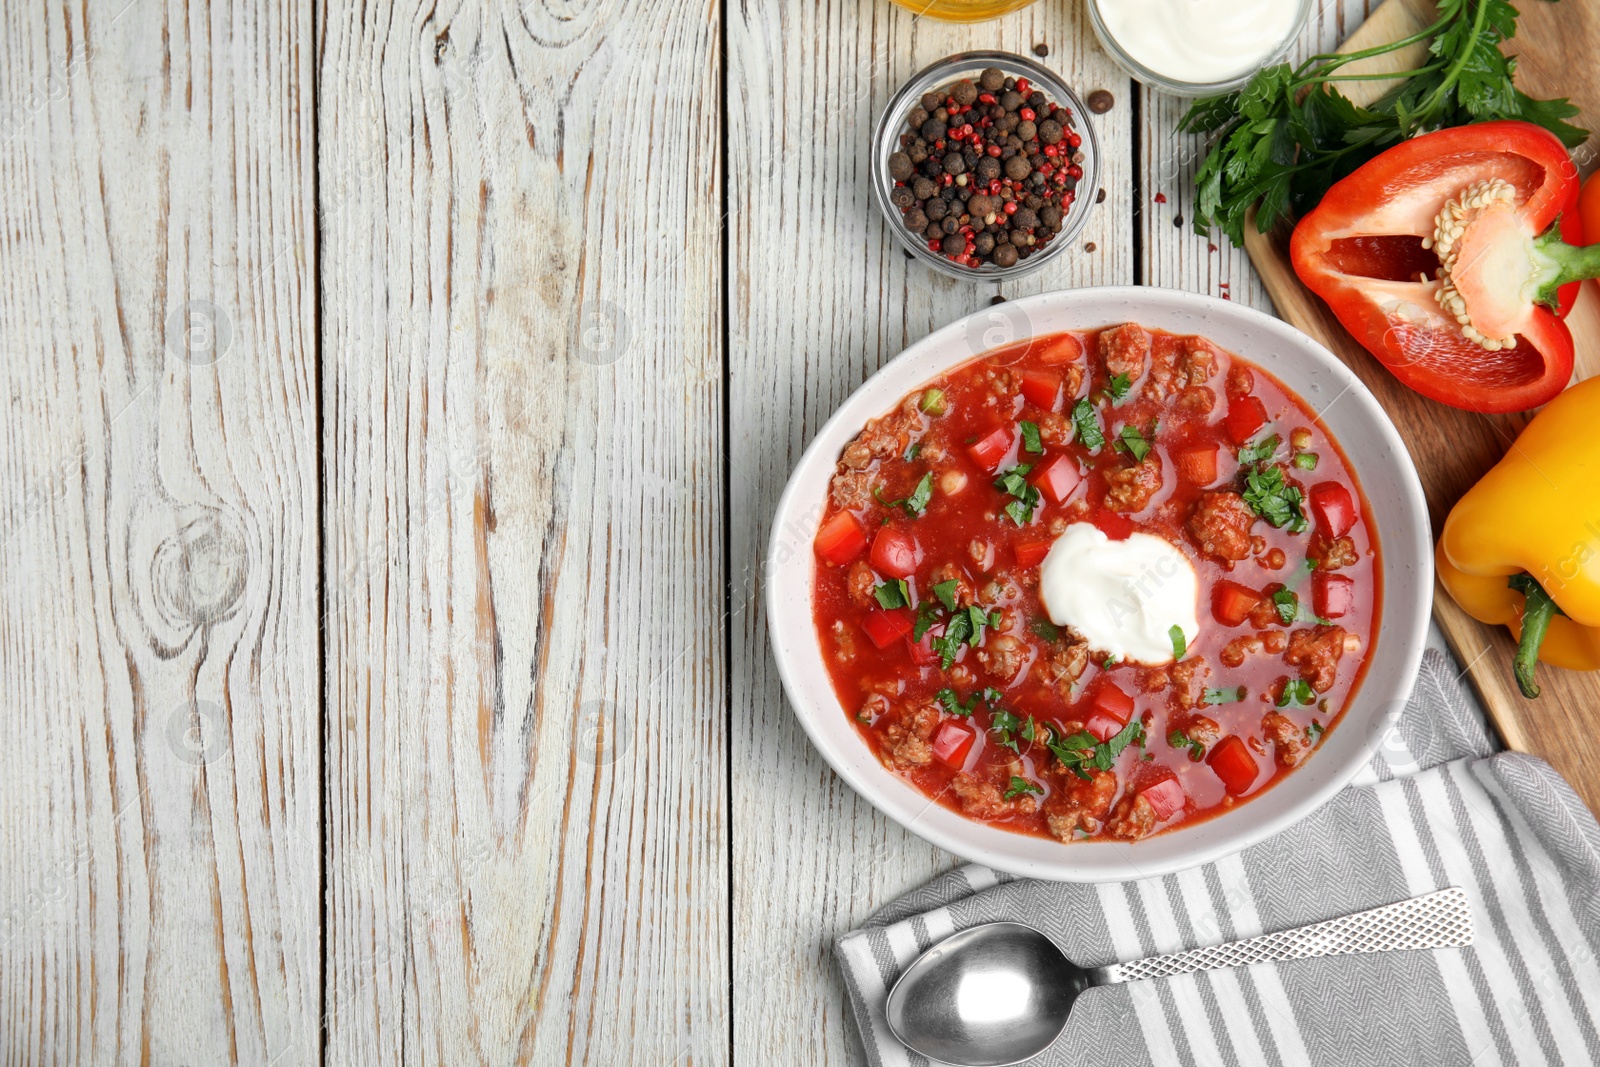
x: 923, y: 188
x: 929, y: 101
x: 901, y: 197
x: 1050, y: 131
x: 933, y: 130
x: 964, y: 92
x: 992, y: 78
x: 900, y: 167
x: 955, y: 244
x: 1005, y: 256
x: 1011, y: 99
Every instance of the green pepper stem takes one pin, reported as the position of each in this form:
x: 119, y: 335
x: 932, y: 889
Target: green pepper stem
x: 1537, y: 612
x: 1562, y: 263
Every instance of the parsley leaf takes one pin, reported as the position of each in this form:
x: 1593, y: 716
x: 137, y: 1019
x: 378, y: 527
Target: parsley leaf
x: 1259, y: 450
x: 1314, y: 732
x: 1289, y: 134
x: 1131, y: 441
x: 892, y: 594
x: 1179, y: 739
x: 917, y: 502
x: 1080, y: 751
x: 1179, y: 644
x: 1012, y: 482
x: 1002, y: 724
x: 1030, y: 436
x: 952, y: 703
x: 927, y: 615
x: 1224, y: 696
x: 1275, y: 500
x: 1118, y: 387
x: 956, y: 632
x: 1019, y: 786
x: 1045, y: 628
x: 1297, y: 693
x: 1087, y: 423
x: 946, y: 592
x: 1287, y: 605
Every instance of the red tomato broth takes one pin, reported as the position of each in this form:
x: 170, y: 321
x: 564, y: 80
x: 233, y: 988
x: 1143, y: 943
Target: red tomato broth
x: 892, y: 692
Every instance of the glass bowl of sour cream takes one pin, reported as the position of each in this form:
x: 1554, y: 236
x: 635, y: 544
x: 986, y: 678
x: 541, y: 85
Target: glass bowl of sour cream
x: 1197, y: 47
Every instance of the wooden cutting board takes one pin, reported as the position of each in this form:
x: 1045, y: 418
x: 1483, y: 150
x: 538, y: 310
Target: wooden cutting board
x: 1452, y: 448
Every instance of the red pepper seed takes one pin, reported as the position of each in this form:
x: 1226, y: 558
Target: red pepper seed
x: 1011, y: 207
x: 1075, y: 139
x: 1051, y: 150
x: 1023, y: 86
x: 986, y: 98
x: 1027, y: 114
x: 1074, y: 170
x: 994, y: 150
x: 934, y: 246
x: 966, y: 130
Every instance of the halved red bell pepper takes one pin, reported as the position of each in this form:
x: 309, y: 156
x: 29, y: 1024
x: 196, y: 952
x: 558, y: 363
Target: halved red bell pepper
x: 1473, y: 222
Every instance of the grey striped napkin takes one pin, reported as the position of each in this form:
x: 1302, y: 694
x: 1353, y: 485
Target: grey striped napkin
x: 1436, y: 808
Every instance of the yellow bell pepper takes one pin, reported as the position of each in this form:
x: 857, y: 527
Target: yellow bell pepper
x: 1522, y: 548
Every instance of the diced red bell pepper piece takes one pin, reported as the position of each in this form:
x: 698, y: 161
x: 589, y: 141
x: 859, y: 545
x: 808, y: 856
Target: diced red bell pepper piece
x: 990, y: 450
x: 1391, y: 203
x: 1103, y: 727
x: 1113, y: 524
x: 1332, y: 595
x: 894, y: 553
x: 1057, y: 479
x: 1042, y: 389
x: 1166, y: 797
x: 1246, y: 415
x: 841, y: 539
x: 952, y: 742
x: 1233, y: 763
x: 1062, y: 348
x: 1231, y: 603
x: 1032, y: 553
x: 1333, y: 508
x: 1196, y: 464
x: 886, y: 626
x: 922, y: 651
x: 1109, y: 700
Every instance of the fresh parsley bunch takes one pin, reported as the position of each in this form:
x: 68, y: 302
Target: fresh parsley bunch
x: 1289, y: 134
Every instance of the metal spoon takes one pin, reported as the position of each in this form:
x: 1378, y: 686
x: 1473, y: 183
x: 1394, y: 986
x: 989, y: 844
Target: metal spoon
x: 1000, y: 993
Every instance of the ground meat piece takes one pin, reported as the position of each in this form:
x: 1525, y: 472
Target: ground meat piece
x: 1131, y: 488
x: 1072, y: 379
x: 1198, y: 363
x: 1265, y: 615
x: 1133, y: 818
x: 875, y: 705
x: 1236, y: 651
x: 1003, y: 656
x: 949, y: 572
x: 852, y: 489
x: 1055, y: 429
x: 1341, y: 553
x: 1076, y: 804
x: 983, y: 800
x: 1067, y: 663
x: 1198, y: 399
x: 1125, y: 350
x: 884, y: 438
x: 1240, y: 381
x: 1316, y: 652
x: 1290, y: 745
x: 1155, y: 680
x: 860, y: 582
x: 1274, y: 641
x: 1206, y: 731
x: 1189, y: 681
x: 906, y: 741
x: 1221, y: 524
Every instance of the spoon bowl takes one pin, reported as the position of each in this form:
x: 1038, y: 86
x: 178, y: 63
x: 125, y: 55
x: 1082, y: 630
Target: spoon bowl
x: 988, y: 996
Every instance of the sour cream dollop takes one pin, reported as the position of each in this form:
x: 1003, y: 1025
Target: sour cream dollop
x: 1123, y: 597
x: 1200, y: 41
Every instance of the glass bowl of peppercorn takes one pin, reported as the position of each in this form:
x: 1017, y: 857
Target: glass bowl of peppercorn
x: 978, y: 163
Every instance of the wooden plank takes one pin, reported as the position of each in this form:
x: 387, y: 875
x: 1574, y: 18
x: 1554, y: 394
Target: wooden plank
x: 523, y: 442
x: 821, y: 296
x: 160, y: 763
x: 1453, y: 448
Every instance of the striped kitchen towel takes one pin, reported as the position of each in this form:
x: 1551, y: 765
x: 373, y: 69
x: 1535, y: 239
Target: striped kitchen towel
x: 1435, y: 808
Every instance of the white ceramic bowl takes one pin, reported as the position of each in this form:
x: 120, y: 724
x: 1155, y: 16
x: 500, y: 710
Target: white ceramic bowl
x: 1349, y: 412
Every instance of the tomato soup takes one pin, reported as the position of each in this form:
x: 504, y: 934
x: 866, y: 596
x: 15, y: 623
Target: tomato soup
x: 1002, y: 553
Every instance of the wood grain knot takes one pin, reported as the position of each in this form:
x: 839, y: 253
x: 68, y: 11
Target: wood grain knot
x: 199, y: 571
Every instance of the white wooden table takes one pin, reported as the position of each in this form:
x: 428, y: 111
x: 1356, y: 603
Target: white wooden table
x: 395, y: 398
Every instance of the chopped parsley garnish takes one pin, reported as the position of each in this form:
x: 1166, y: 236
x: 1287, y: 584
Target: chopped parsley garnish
x: 1080, y: 750
x: 1045, y: 628
x: 1003, y: 724
x: 1110, y: 661
x: 1224, y: 696
x: 1274, y: 499
x: 932, y: 402
x: 927, y: 615
x: 1179, y: 739
x: 946, y: 592
x: 1087, y: 423
x: 1314, y: 732
x: 964, y: 628
x: 1179, y: 644
x: 1030, y: 436
x: 952, y: 703
x: 1287, y: 604
x: 1306, y: 461
x: 1260, y: 450
x: 1131, y: 441
x: 892, y: 594
x: 916, y: 503
x: 1118, y: 387
x: 1019, y: 786
x: 913, y: 452
x: 1297, y: 693
x: 1020, y: 510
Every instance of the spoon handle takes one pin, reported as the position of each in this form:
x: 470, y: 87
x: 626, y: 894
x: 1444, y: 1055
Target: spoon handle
x: 1438, y: 920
